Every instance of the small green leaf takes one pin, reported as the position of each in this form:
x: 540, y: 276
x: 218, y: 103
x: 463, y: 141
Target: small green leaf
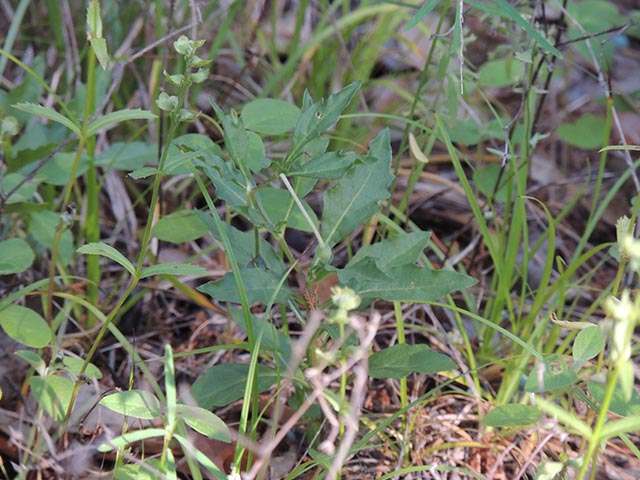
x: 133, y: 403
x: 400, y: 360
x: 619, y: 404
x: 25, y: 326
x: 23, y: 193
x: 43, y: 226
x: 204, y: 421
x: 33, y: 359
x: 552, y: 374
x: 500, y: 73
x: 74, y: 365
x: 49, y: 114
x: 143, y: 172
x: 317, y: 117
x: 172, y: 268
x: 222, y: 384
x: 269, y: 116
x: 512, y: 415
x: 119, y: 116
x: 486, y: 178
x: 15, y: 256
x: 588, y: 343
x: 587, y: 132
x: 99, y: 248
x: 181, y: 226
x: 166, y: 102
x: 53, y: 394
x: 99, y: 46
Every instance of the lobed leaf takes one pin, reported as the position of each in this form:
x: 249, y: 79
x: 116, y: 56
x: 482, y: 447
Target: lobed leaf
x: 356, y: 196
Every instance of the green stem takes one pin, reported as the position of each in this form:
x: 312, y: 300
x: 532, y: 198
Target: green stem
x: 92, y: 220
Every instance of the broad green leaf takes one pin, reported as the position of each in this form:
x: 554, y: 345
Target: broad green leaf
x: 244, y: 247
x: 178, y: 161
x: 259, y: 284
x: 28, y: 90
x: 279, y: 207
x: 486, y: 178
x: 233, y: 189
x: 33, y: 359
x: 236, y: 140
x: 58, y: 169
x: 99, y: 248
x: 512, y: 415
x: 181, y: 226
x: 355, y: 197
x: 128, y: 156
x: 327, y: 165
x: 400, y: 360
x: 131, y: 437
x: 43, y: 226
x: 587, y: 132
x: 269, y: 116
x: 406, y: 283
x: 53, y: 394
x: 23, y: 193
x: 204, y: 421
x: 553, y: 373
x: 399, y: 249
x: 593, y: 17
x: 195, y: 142
x: 256, y: 158
x: 133, y: 403
x: 317, y: 117
x: 172, y: 268
x: 619, y: 404
x: 74, y: 365
x: 15, y: 256
x: 272, y: 339
x: 25, y: 326
x: 49, y: 114
x: 465, y: 132
x: 501, y: 73
x: 222, y: 384
x: 588, y: 343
